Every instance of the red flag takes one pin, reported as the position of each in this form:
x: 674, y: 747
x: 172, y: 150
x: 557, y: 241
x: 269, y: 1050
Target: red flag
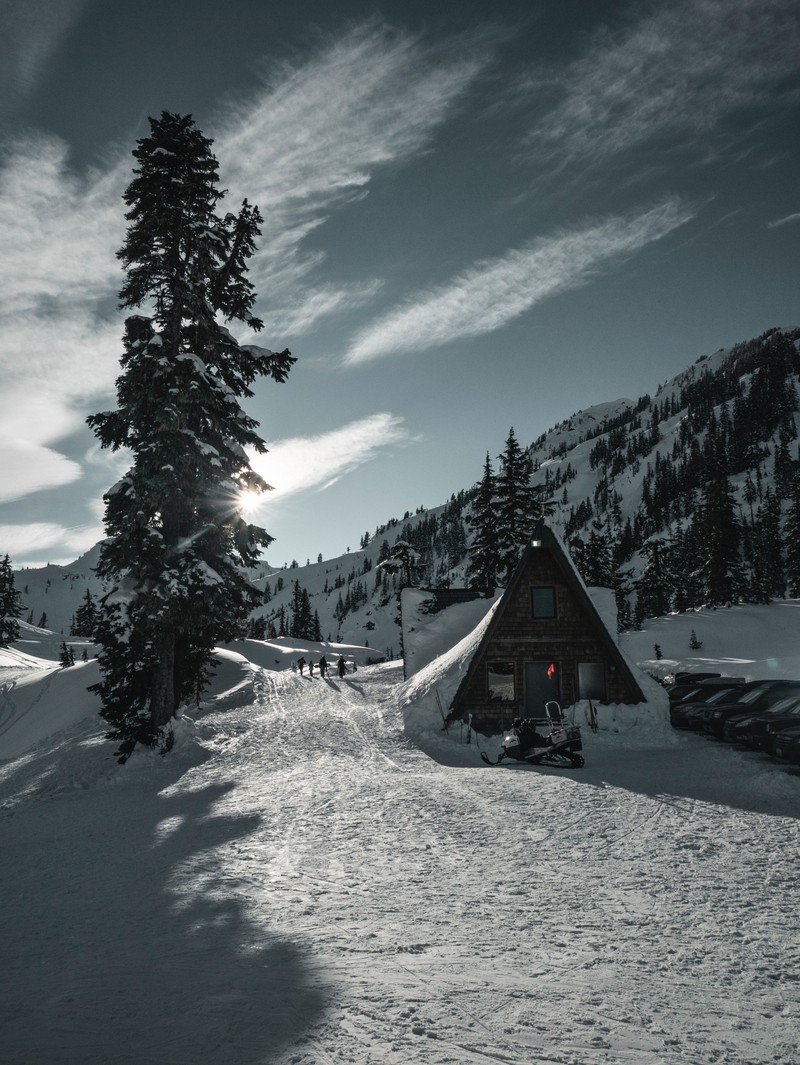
x: 551, y: 671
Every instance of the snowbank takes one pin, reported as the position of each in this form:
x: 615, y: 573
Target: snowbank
x: 427, y: 636
x: 44, y: 702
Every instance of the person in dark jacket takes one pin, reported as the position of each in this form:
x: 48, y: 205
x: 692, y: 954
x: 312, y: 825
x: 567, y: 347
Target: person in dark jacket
x: 301, y: 663
x: 341, y: 665
x: 323, y: 667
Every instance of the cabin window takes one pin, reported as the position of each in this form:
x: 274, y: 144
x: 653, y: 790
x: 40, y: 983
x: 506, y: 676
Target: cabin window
x: 543, y: 602
x: 592, y: 681
x: 500, y: 678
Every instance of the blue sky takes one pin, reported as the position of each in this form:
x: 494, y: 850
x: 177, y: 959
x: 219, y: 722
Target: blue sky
x: 477, y: 215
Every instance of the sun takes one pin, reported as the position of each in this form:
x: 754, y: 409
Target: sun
x: 247, y: 501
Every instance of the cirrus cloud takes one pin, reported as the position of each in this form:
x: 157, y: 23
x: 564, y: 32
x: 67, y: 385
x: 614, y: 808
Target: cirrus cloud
x: 680, y: 69
x: 300, y: 463
x: 495, y: 291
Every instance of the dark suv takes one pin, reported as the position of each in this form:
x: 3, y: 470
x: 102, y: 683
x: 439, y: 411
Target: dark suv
x: 684, y: 713
x: 759, y: 730
x: 754, y: 698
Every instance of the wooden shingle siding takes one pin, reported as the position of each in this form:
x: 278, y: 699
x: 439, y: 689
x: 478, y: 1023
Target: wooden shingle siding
x: 576, y: 634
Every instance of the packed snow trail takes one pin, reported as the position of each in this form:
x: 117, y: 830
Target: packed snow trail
x: 318, y: 890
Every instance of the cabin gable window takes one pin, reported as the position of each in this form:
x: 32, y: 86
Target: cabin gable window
x: 543, y: 601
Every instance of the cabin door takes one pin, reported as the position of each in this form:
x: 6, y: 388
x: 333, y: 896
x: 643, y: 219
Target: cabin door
x: 541, y: 685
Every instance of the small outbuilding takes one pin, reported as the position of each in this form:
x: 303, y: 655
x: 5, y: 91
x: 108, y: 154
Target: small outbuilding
x: 545, y: 641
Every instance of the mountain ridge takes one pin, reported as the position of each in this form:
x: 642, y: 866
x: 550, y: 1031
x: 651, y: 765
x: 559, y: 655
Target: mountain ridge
x: 623, y: 475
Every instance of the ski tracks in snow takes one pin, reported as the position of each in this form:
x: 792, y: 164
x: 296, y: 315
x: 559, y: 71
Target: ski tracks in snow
x: 459, y: 915
x: 313, y: 858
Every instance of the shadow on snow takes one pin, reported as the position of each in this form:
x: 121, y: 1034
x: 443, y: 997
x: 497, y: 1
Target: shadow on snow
x: 116, y: 945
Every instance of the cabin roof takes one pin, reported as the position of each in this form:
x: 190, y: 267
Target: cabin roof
x: 544, y: 538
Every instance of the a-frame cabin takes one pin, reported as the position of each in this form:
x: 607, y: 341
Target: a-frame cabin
x: 545, y: 640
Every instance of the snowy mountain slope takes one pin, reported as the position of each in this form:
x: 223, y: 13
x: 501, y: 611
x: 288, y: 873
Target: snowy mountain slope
x: 633, y: 469
x: 318, y: 889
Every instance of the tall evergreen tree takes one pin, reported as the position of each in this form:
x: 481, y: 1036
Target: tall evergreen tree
x: 85, y: 620
x: 10, y: 605
x: 178, y: 546
x: 484, y: 560
x: 653, y: 587
x: 516, y: 507
x: 720, y: 535
x: 792, y: 534
x: 597, y: 558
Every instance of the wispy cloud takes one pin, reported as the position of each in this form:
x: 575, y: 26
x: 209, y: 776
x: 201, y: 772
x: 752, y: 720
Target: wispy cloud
x: 312, y: 138
x: 29, y: 468
x: 32, y: 31
x: 679, y: 69
x: 299, y: 464
x: 495, y: 291
x: 787, y: 220
x: 307, y: 142
x: 308, y: 306
x: 41, y: 535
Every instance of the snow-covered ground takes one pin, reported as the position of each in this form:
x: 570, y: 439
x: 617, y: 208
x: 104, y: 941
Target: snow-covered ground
x: 317, y: 874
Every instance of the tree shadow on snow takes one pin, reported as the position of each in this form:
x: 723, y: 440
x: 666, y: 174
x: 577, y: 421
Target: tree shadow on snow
x: 703, y: 770
x: 116, y: 948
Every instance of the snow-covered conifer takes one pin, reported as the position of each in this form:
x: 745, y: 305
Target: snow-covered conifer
x: 720, y: 535
x: 10, y: 606
x: 484, y: 559
x: 516, y: 505
x: 177, y: 544
x: 85, y: 620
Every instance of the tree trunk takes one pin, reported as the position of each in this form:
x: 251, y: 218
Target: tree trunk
x: 162, y: 699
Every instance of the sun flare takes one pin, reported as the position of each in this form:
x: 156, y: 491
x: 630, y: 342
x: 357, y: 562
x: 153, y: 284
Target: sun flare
x: 248, y: 501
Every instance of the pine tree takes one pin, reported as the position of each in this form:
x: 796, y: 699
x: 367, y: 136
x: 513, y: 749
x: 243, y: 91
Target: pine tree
x: 10, y: 606
x: 484, y: 559
x: 597, y: 559
x: 405, y: 561
x: 66, y: 656
x: 653, y: 587
x: 792, y: 534
x: 85, y: 620
x: 770, y: 545
x: 177, y: 544
x: 515, y: 504
x: 719, y: 535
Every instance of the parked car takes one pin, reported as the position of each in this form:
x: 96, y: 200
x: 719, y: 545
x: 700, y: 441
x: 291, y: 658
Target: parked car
x: 751, y: 699
x: 687, y: 677
x: 758, y: 730
x: 699, y: 690
x: 688, y: 713
x: 787, y: 745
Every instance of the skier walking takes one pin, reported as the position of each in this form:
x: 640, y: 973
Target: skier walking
x: 341, y: 666
x: 310, y: 668
x: 323, y: 667
x: 301, y: 663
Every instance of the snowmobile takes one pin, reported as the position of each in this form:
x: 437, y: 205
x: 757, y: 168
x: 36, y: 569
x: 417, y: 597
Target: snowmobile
x: 557, y: 744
